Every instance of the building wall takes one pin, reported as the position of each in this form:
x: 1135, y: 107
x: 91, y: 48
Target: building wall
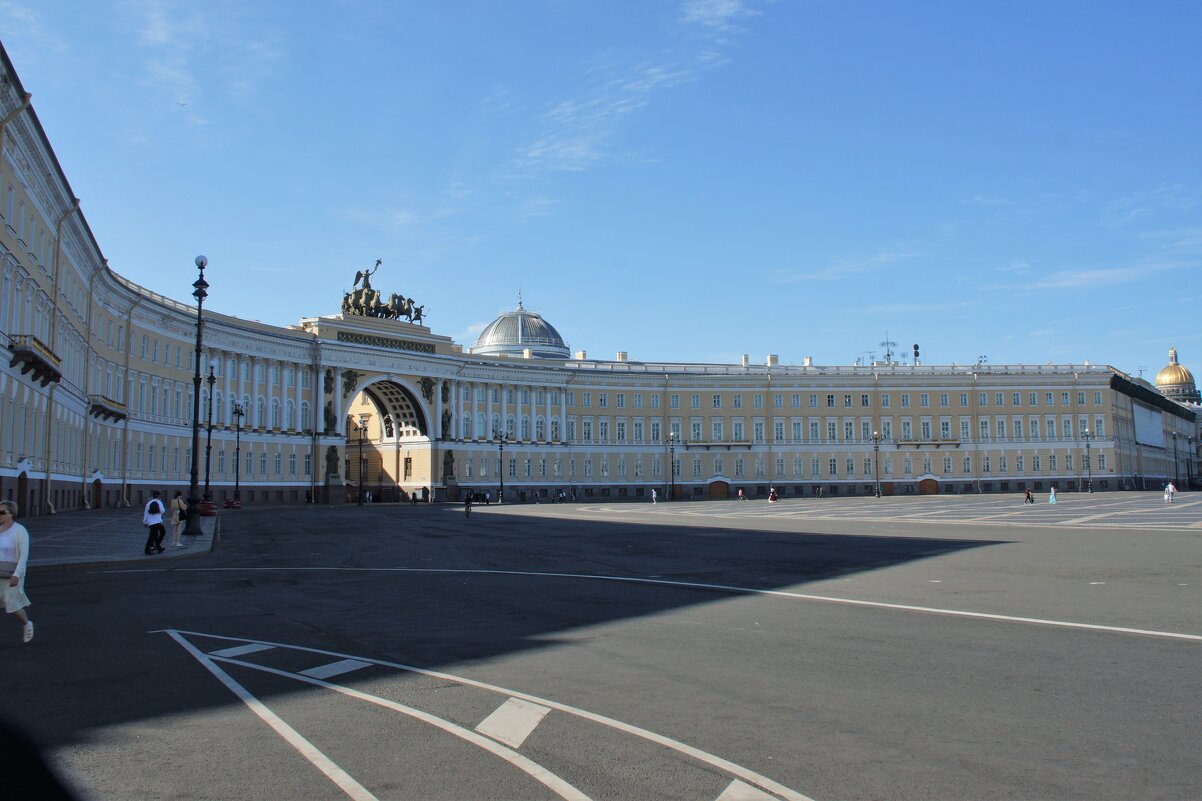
x: 287, y: 401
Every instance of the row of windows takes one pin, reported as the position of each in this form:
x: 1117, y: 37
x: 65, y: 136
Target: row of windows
x: 832, y: 400
x: 167, y: 460
x: 605, y: 467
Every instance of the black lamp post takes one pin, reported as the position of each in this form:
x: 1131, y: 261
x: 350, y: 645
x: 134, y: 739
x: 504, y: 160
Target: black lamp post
x: 362, y: 461
x: 238, y: 413
x: 1189, y: 460
x: 200, y: 292
x: 876, y: 460
x: 211, y: 380
x: 1088, y: 435
x: 673, y: 440
x: 500, y: 435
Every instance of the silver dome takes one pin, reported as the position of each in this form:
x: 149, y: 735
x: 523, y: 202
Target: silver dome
x: 514, y: 331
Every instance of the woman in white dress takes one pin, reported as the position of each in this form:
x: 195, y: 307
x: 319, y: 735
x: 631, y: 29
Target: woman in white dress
x: 14, y: 554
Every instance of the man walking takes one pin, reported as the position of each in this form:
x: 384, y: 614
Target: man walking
x: 152, y: 516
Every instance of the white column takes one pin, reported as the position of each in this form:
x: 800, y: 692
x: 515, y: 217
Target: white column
x: 297, y: 423
x: 438, y: 434
x: 504, y: 409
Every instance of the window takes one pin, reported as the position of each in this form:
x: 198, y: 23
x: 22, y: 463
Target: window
x: 603, y: 400
x: 885, y: 401
x: 967, y: 465
x: 1035, y: 465
x: 621, y: 401
x: 830, y: 430
x: 963, y: 398
x: 830, y: 401
x: 813, y: 430
x: 926, y: 429
x: 1032, y: 398
x: 849, y: 430
x: 738, y: 401
x: 757, y: 401
x: 905, y: 399
x: 945, y: 429
x: 695, y: 430
x: 813, y: 401
x: 847, y: 401
x: 778, y: 401
x: 586, y: 399
x: 982, y: 398
x: 1052, y: 462
x: 999, y: 399
x: 1016, y: 399
x: 638, y: 400
x: 1080, y: 398
x: 695, y: 401
x: 797, y: 401
x: 716, y: 430
x: 1097, y: 399
x: 674, y: 401
x: 778, y: 431
x: 717, y: 401
x: 759, y: 431
x: 907, y: 429
x: 832, y: 467
x: 944, y: 401
x: 1064, y: 399
x: 654, y: 404
x: 924, y: 399
x: 864, y: 402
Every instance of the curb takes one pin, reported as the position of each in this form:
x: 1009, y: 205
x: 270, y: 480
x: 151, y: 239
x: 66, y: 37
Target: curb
x: 63, y: 567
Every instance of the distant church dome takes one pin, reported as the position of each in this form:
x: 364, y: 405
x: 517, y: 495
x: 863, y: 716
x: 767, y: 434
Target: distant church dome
x: 1177, y: 382
x: 515, y: 331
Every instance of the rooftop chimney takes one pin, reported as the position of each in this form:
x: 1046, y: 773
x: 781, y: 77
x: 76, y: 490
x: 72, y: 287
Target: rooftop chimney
x: 809, y: 361
x: 773, y: 360
x: 621, y: 357
x: 581, y: 355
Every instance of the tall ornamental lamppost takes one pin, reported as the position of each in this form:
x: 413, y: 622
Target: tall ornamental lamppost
x: 239, y: 412
x: 1088, y: 435
x: 500, y: 435
x: 362, y: 461
x: 876, y: 460
x: 200, y: 292
x: 673, y: 441
x: 211, y: 380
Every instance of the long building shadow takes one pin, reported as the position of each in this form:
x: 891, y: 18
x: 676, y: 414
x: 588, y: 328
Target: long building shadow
x: 422, y: 586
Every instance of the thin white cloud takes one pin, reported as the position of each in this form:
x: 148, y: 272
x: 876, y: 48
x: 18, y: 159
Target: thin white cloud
x: 842, y: 269
x: 718, y: 15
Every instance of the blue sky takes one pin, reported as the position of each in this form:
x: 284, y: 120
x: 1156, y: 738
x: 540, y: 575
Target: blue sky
x: 692, y: 180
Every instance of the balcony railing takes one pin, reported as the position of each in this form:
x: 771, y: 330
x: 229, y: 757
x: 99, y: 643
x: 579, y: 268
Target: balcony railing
x: 35, y: 357
x: 107, y: 408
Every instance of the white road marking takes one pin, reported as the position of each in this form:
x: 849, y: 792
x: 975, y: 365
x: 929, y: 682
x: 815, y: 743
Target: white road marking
x: 309, y: 751
x: 241, y: 650
x: 738, y: 791
x: 1068, y: 624
x: 739, y: 771
x: 333, y: 669
x: 513, y: 721
x: 533, y: 769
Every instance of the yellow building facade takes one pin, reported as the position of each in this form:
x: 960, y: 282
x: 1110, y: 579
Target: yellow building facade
x: 97, y: 396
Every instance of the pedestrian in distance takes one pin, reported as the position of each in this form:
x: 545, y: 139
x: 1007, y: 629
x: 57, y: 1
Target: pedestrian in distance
x: 653, y: 496
x: 14, y: 556
x: 1028, y: 497
x: 488, y: 497
x: 1168, y: 496
x: 1052, y: 495
x: 179, y: 516
x: 152, y: 517
x: 1172, y: 491
x: 467, y: 505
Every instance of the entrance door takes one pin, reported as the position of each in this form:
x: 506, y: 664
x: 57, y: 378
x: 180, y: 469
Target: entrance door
x: 928, y: 486
x: 23, y: 494
x: 96, y: 494
x: 719, y: 490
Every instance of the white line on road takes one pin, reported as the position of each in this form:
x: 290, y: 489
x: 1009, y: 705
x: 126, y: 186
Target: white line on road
x: 1173, y: 635
x: 738, y: 791
x: 334, y: 668
x: 733, y: 769
x: 241, y: 650
x: 513, y: 721
x: 309, y: 751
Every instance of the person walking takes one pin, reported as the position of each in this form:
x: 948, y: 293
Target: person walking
x: 467, y: 505
x: 1027, y: 497
x: 14, y: 555
x: 152, y: 516
x: 1052, y: 495
x: 179, y: 516
x: 653, y: 496
x: 1172, y: 491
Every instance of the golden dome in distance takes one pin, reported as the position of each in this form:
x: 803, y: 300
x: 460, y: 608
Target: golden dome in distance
x: 1176, y: 381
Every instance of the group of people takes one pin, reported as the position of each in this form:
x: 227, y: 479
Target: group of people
x: 152, y: 518
x: 1170, y: 490
x: 1030, y: 498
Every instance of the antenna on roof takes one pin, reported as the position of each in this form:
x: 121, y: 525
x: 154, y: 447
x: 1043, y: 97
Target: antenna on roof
x: 520, y: 306
x: 888, y: 344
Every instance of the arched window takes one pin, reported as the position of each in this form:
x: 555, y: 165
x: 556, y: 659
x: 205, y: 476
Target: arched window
x: 290, y: 415
x: 555, y: 429
x: 540, y: 429
x: 525, y: 427
x: 260, y: 414
x: 275, y: 413
x: 304, y: 416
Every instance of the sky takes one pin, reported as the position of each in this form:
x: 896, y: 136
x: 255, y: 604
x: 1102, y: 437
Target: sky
x: 687, y: 180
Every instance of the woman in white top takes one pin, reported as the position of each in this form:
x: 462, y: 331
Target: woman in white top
x: 14, y: 554
x: 179, y: 512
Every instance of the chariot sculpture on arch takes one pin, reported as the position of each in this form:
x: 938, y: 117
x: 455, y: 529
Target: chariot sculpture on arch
x: 364, y: 300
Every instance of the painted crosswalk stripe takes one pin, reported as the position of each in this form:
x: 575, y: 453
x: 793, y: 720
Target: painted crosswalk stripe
x: 334, y: 668
x: 241, y: 650
x: 740, y: 791
x: 513, y: 721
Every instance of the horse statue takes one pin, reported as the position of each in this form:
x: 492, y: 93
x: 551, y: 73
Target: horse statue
x: 400, y: 306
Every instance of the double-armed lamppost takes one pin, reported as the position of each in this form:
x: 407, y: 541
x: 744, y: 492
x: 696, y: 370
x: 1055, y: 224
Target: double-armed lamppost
x: 500, y: 435
x: 211, y: 380
x: 876, y: 460
x: 362, y: 461
x: 200, y: 292
x: 239, y: 412
x: 673, y: 441
x: 1089, y: 468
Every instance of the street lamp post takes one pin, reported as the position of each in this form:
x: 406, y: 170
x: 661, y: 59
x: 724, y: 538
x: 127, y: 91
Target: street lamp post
x: 211, y: 380
x: 500, y: 435
x: 200, y: 292
x: 673, y: 440
x: 238, y: 413
x: 1088, y: 435
x: 362, y: 461
x: 876, y: 460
